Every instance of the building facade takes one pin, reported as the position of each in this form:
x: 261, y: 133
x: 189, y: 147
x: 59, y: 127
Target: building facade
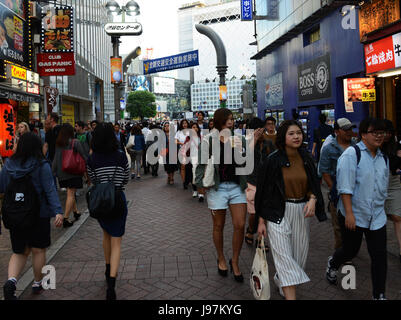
x: 87, y: 95
x: 303, y: 60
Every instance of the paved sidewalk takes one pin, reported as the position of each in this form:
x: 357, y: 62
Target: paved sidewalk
x: 168, y: 254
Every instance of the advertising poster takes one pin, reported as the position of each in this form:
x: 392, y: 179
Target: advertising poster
x: 360, y: 90
x: 68, y: 114
x: 314, y: 79
x: 57, y: 30
x: 138, y: 83
x: 116, y: 70
x: 12, y: 39
x: 163, y: 85
x: 274, y: 90
x: 15, y: 5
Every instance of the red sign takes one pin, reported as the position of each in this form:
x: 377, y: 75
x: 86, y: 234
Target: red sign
x: 7, y: 130
x: 380, y: 55
x: 56, y: 64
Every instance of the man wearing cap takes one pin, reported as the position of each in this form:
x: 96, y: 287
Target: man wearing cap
x: 328, y: 168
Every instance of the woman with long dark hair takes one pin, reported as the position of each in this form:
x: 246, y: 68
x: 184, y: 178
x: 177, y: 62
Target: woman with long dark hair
x: 392, y: 206
x: 228, y: 191
x: 65, y: 140
x: 182, y: 137
x: 29, y: 160
x: 287, y: 194
x: 169, y: 168
x: 108, y: 163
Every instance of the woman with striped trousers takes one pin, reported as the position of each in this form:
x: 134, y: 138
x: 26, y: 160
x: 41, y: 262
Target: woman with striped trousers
x: 108, y: 163
x: 287, y: 194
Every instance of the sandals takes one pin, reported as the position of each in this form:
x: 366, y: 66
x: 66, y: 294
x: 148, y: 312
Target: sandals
x: 249, y: 240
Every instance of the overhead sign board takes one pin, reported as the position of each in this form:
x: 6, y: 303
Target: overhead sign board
x: 123, y: 29
x: 179, y: 61
x: 246, y: 10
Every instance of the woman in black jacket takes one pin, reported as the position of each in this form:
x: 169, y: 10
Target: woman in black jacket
x: 288, y: 192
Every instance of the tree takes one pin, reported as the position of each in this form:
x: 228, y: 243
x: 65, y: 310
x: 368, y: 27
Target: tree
x: 141, y: 104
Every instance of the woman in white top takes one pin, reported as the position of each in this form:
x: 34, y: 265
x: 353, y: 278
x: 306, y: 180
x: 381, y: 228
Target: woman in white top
x: 180, y: 139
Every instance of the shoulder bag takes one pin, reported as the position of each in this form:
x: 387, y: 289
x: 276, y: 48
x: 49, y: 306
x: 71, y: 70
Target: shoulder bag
x: 72, y: 162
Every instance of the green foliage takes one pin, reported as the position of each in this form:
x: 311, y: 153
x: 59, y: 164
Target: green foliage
x: 141, y: 104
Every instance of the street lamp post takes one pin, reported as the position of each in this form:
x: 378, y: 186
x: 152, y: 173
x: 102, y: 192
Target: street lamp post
x: 131, y: 8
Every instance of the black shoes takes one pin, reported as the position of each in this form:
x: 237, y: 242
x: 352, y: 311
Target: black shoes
x: 331, y: 273
x: 239, y: 278
x: 185, y: 186
x: 223, y: 273
x: 9, y: 289
x: 111, y: 292
x: 37, y: 289
x: 201, y: 198
x: 67, y: 224
x: 77, y: 216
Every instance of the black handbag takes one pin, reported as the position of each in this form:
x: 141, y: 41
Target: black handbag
x: 104, y: 199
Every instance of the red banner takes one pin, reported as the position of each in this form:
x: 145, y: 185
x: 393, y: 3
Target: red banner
x: 7, y: 130
x: 380, y: 55
x: 56, y: 64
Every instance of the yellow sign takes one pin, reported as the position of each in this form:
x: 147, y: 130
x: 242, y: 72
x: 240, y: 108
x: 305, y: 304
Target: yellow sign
x: 369, y: 95
x: 68, y: 114
x: 223, y: 93
x: 18, y: 73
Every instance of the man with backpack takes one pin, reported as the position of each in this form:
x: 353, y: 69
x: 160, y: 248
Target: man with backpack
x: 30, y: 201
x: 362, y: 183
x: 328, y: 168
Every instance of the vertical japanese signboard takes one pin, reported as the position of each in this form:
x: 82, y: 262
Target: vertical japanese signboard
x: 7, y: 130
x: 246, y: 10
x: 57, y: 29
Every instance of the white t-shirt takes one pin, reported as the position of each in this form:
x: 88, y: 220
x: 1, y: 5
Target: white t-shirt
x: 181, y: 137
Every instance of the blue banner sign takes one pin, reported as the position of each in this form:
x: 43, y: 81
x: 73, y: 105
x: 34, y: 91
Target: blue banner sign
x: 246, y: 10
x: 179, y: 61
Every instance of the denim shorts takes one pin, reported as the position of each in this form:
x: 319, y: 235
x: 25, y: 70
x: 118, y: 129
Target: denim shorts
x: 228, y: 193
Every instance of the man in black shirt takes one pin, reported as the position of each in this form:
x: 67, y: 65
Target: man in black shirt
x: 51, y: 136
x: 320, y: 134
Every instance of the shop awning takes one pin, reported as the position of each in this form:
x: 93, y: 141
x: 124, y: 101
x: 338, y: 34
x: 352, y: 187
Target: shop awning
x: 17, y: 95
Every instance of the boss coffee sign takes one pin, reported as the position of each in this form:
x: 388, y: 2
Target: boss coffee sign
x: 314, y: 79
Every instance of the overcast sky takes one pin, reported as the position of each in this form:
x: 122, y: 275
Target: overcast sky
x: 160, y: 28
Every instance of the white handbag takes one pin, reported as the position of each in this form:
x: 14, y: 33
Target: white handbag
x: 131, y: 142
x: 259, y: 281
x: 208, y: 178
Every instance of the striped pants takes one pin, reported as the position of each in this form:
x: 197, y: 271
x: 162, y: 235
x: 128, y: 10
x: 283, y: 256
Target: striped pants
x: 289, y: 242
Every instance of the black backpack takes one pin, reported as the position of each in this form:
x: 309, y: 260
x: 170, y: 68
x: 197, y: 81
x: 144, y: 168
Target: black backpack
x: 21, y: 204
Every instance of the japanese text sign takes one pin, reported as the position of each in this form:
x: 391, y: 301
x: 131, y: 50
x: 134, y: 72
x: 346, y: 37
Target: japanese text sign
x: 57, y: 30
x: 384, y: 54
x: 246, y: 10
x: 7, y: 130
x: 183, y: 60
x: 360, y: 90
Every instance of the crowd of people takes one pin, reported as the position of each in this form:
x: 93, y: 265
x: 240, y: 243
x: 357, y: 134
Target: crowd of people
x: 275, y: 200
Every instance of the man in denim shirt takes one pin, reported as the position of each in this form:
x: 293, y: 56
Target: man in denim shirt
x: 362, y: 182
x: 328, y: 169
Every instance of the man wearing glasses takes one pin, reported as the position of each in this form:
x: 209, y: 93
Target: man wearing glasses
x: 362, y: 182
x: 328, y: 168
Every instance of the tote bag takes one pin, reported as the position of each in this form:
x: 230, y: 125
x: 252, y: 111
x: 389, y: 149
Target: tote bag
x: 73, y: 163
x: 259, y: 280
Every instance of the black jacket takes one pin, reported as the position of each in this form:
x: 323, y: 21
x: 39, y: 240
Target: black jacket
x: 270, y: 193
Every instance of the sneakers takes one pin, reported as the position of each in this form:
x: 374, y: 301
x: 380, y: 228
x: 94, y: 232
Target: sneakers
x: 37, y: 288
x: 201, y: 198
x: 331, y: 273
x: 195, y: 194
x: 277, y: 283
x: 381, y: 297
x: 9, y: 290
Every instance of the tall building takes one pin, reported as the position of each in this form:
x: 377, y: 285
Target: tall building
x: 89, y: 93
x: 224, y: 17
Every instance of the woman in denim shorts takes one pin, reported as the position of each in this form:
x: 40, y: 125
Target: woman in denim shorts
x: 228, y: 192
